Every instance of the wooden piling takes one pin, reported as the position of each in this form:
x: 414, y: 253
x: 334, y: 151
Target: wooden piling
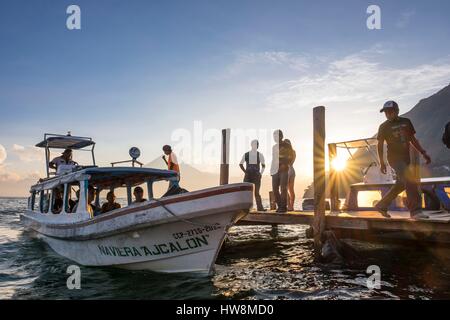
x: 225, y: 157
x: 333, y: 180
x: 319, y: 178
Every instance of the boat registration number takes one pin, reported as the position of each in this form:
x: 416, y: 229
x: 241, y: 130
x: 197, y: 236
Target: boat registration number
x: 195, y: 231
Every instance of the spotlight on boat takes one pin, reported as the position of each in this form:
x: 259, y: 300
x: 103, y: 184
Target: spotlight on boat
x: 134, y: 153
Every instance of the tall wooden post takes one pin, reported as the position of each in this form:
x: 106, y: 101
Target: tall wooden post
x: 225, y: 157
x: 333, y: 178
x: 319, y: 178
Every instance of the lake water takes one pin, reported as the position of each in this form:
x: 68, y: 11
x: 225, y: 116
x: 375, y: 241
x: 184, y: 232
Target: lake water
x: 253, y: 264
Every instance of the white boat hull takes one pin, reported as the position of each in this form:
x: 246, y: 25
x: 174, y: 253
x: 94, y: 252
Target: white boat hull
x: 148, y: 237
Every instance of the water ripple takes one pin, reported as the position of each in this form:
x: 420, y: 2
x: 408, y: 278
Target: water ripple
x: 256, y: 262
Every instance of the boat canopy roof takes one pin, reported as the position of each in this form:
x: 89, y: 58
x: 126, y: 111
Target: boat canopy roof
x: 356, y: 144
x: 103, y: 178
x: 64, y: 142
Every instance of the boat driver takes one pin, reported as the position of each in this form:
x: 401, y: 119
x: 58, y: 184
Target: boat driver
x: 64, y: 159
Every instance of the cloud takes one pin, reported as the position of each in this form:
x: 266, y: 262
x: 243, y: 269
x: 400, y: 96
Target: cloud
x: 405, y: 18
x: 3, y: 154
x: 359, y: 78
x: 251, y: 61
x: 14, y: 184
x: 9, y: 176
x: 28, y: 153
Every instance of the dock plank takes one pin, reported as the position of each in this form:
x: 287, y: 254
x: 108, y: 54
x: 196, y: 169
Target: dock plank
x: 357, y: 220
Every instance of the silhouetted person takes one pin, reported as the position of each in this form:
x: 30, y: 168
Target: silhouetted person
x: 111, y: 203
x: 254, y: 168
x: 446, y: 135
x: 291, y: 178
x: 58, y: 201
x: 64, y: 159
x: 172, y: 162
x: 73, y: 203
x: 399, y: 134
x: 138, y: 193
x: 92, y: 209
x: 281, y: 158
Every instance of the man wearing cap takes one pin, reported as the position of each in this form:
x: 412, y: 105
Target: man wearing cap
x: 64, y: 159
x: 399, y: 133
x: 172, y: 163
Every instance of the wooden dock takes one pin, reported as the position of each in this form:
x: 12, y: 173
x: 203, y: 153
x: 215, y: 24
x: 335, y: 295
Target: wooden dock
x: 367, y: 225
x: 364, y: 225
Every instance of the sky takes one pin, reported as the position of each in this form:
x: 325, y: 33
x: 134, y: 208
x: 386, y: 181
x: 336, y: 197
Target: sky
x: 149, y: 73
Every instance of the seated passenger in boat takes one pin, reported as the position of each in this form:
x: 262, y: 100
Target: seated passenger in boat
x: 139, y: 195
x: 111, y: 204
x: 91, y: 208
x: 62, y: 162
x: 58, y: 202
x: 73, y: 203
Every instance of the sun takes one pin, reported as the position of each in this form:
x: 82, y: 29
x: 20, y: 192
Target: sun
x: 339, y: 163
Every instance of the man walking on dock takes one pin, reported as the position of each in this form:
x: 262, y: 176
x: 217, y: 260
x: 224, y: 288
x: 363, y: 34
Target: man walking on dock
x: 253, y: 171
x: 399, y: 133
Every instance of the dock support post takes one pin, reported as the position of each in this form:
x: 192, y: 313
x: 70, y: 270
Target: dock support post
x: 319, y: 179
x: 333, y: 178
x: 225, y: 157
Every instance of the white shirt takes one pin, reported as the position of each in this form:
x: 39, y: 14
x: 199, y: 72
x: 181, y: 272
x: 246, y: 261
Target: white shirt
x: 60, y: 160
x: 253, y: 159
x: 275, y: 159
x: 63, y: 166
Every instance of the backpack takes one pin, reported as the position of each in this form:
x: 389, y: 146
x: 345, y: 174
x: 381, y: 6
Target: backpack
x: 446, y: 135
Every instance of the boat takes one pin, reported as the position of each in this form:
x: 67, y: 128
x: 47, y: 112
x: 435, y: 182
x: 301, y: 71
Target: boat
x: 178, y: 232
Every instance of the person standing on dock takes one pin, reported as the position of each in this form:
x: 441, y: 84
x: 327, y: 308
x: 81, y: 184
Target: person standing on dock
x: 255, y: 165
x: 291, y: 178
x: 171, y: 161
x: 446, y: 135
x: 399, y: 133
x: 281, y: 158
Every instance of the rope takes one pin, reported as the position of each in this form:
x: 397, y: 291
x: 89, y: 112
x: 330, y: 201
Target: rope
x: 177, y: 217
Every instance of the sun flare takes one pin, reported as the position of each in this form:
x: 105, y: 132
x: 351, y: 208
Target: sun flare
x: 339, y: 163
